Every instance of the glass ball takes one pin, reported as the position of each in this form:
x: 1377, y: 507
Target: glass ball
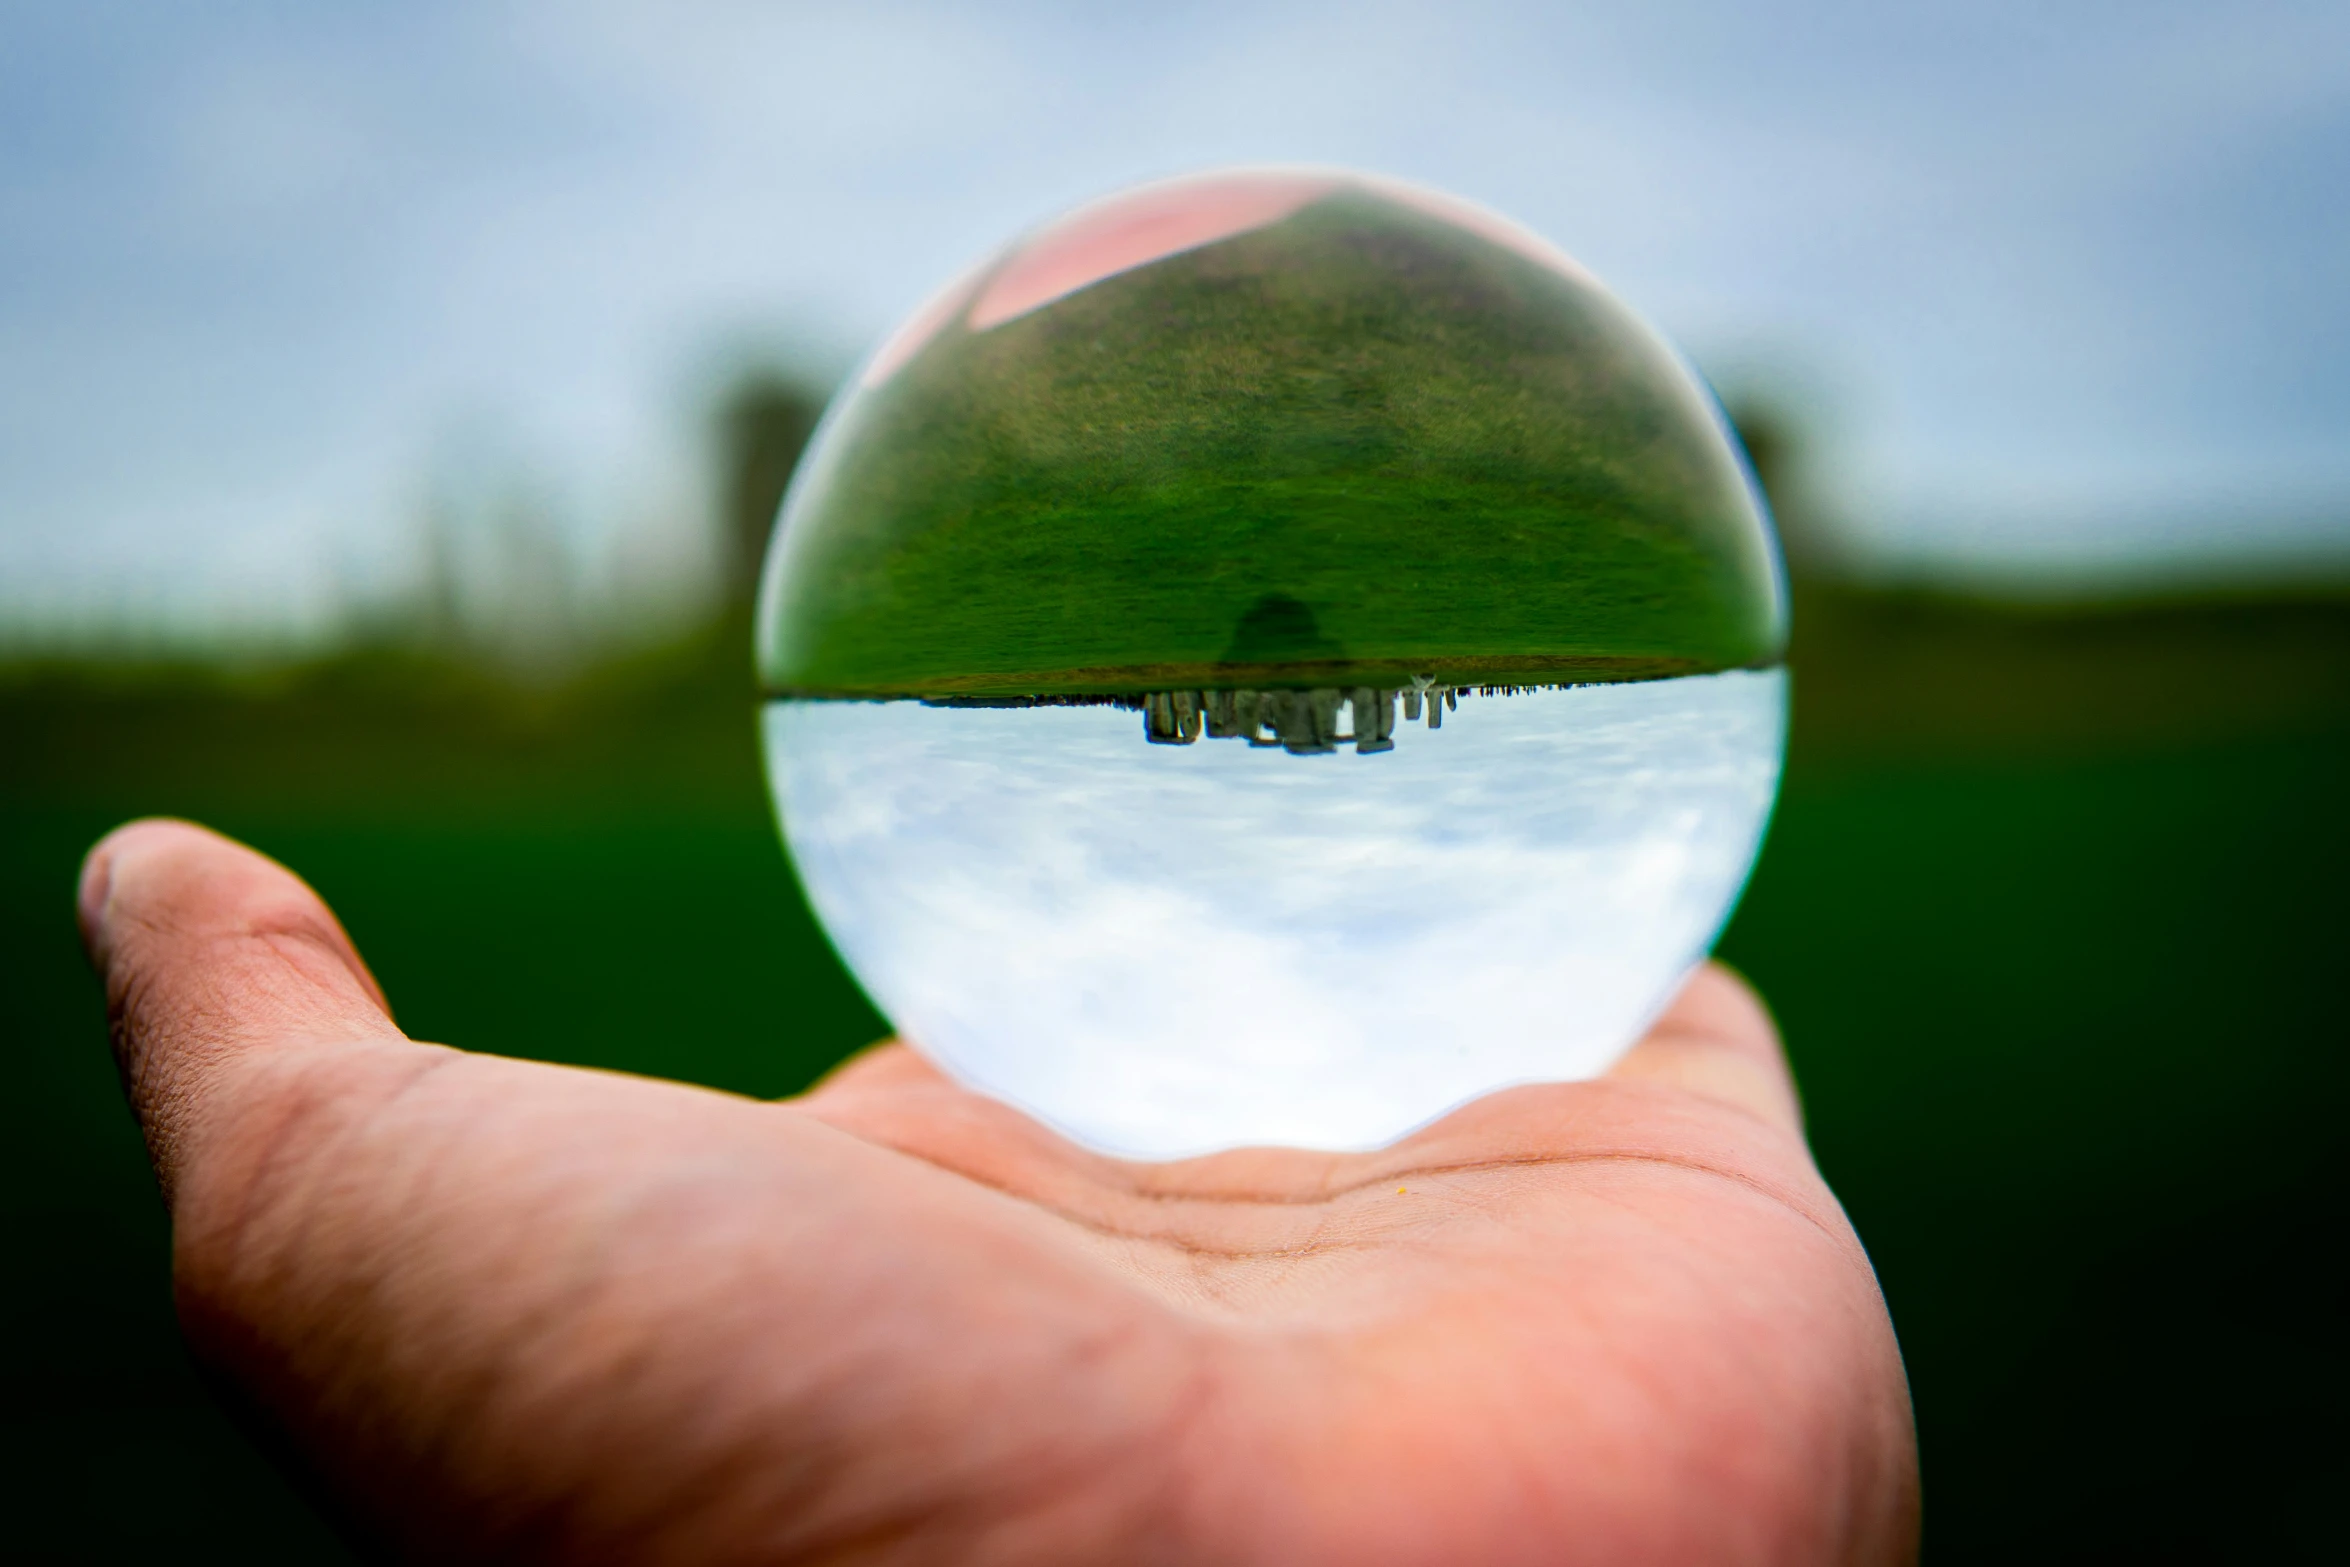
x: 1268, y: 658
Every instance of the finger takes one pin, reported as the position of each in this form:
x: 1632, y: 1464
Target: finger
x: 214, y: 957
x: 889, y: 1066
x: 892, y: 1095
x: 1716, y: 1040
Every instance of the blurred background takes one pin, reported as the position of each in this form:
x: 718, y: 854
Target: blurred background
x: 394, y: 400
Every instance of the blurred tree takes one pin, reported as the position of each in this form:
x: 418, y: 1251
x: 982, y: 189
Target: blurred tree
x: 503, y: 583
x: 1775, y: 446
x: 764, y: 422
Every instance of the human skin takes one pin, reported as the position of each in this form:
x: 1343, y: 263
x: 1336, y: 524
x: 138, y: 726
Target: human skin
x: 504, y: 1311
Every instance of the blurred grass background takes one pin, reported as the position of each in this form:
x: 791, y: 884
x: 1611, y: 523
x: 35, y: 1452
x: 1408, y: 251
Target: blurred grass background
x: 2052, y: 915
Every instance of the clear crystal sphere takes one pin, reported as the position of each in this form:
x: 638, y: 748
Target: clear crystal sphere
x: 1267, y: 658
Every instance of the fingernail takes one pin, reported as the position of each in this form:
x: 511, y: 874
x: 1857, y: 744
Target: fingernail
x: 90, y: 896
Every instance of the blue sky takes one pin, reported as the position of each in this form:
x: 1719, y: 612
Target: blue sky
x: 2061, y: 286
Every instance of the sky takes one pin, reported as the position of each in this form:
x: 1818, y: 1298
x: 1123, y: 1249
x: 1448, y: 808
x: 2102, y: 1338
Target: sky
x: 2054, y: 288
x: 1052, y: 904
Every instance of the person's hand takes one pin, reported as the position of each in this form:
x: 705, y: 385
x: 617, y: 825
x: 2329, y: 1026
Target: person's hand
x: 513, y: 1312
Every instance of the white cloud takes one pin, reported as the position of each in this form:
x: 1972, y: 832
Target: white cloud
x: 2054, y: 260
x: 1055, y: 907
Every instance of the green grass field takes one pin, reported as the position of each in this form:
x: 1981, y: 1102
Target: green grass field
x: 2051, y: 914
x: 1461, y: 461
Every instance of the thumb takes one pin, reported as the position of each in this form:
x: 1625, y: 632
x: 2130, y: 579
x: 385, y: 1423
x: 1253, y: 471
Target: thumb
x: 217, y: 962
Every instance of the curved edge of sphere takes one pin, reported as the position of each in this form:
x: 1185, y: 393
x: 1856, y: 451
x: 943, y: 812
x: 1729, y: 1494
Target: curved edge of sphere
x: 1343, y: 430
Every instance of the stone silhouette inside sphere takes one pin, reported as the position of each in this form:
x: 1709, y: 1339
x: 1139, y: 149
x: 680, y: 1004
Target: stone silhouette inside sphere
x: 1268, y: 658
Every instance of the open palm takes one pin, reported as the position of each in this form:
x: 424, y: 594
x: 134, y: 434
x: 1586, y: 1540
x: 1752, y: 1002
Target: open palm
x: 506, y: 1311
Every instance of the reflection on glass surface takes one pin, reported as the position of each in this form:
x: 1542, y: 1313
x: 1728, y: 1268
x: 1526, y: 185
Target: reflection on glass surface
x: 1164, y: 950
x: 1268, y: 657
x: 1263, y: 428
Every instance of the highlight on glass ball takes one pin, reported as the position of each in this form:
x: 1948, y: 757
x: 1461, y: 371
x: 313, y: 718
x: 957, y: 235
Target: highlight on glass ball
x: 1268, y: 658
